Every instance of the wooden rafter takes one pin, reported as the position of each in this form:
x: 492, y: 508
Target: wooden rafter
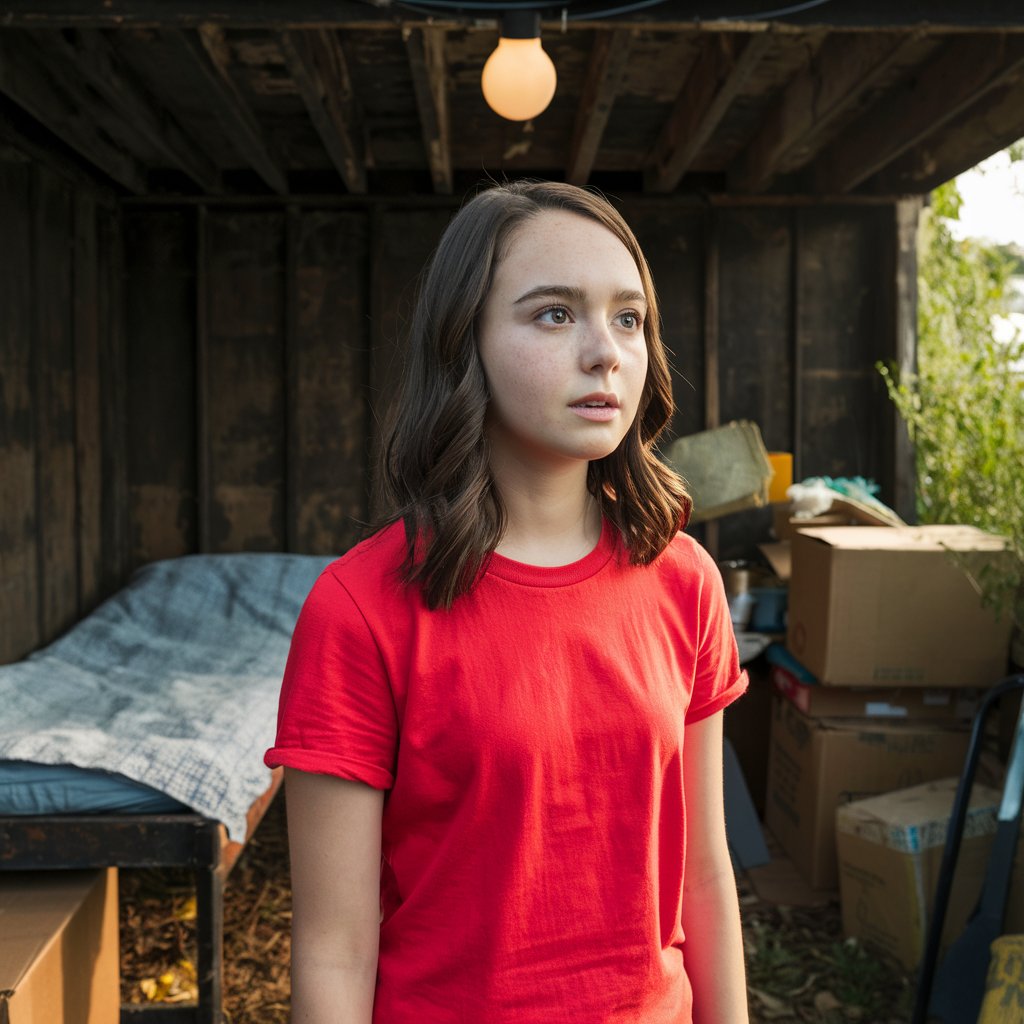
x: 977, y: 133
x: 23, y: 79
x: 187, y: 13
x: 91, y: 58
x: 425, y: 49
x: 962, y: 73
x: 16, y: 132
x: 319, y: 69
x: 205, y: 51
x: 717, y: 77
x: 939, y: 15
x: 608, y: 61
x: 843, y: 71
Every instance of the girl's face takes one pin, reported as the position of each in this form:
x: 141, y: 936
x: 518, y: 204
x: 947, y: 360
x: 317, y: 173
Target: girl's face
x: 562, y: 343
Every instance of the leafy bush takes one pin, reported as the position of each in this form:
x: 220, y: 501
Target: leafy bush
x: 964, y: 407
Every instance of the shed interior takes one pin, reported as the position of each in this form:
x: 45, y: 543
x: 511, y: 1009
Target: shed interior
x: 213, y: 217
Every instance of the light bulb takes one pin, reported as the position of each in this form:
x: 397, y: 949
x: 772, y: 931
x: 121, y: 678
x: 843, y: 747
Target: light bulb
x: 518, y: 80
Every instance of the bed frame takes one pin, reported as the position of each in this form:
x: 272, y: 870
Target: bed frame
x: 184, y: 840
x: 138, y: 841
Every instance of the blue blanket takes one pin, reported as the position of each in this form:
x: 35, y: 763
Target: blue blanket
x: 172, y: 682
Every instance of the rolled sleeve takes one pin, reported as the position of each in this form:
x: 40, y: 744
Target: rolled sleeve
x: 336, y: 714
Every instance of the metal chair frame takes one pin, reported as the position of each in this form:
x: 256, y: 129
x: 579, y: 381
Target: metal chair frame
x: 954, y: 836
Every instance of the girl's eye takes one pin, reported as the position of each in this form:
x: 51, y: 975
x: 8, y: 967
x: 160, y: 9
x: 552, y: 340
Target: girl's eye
x: 557, y: 315
x: 631, y: 321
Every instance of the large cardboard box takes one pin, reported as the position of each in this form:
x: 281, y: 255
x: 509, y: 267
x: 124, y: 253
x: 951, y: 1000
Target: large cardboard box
x: 890, y: 851
x: 899, y: 702
x: 815, y: 765
x: 59, y: 947
x: 870, y: 606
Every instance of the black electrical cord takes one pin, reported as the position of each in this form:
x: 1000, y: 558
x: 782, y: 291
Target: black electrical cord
x: 497, y: 6
x: 637, y: 5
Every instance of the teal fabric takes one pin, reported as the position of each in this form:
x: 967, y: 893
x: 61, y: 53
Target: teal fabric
x: 29, y: 788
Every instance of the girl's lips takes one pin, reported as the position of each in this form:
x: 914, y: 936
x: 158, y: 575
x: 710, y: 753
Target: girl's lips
x: 598, y: 413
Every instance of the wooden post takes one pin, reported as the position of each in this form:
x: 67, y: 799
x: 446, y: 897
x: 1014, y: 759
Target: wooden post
x: 907, y: 214
x: 712, y: 397
x: 798, y: 347
x: 204, y: 488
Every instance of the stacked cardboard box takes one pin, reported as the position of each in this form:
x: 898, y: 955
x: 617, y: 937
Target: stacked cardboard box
x: 890, y: 646
x: 59, y: 948
x: 895, y: 606
x: 816, y: 765
x: 890, y: 852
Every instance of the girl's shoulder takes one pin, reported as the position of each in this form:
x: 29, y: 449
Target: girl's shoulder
x: 380, y: 550
x: 686, y: 553
x: 686, y: 570
x: 370, y: 569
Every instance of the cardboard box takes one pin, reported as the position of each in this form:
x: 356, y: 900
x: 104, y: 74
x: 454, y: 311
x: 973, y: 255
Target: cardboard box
x: 844, y: 511
x: 59, y: 959
x: 893, y: 606
x: 890, y: 851
x: 901, y: 702
x: 815, y: 765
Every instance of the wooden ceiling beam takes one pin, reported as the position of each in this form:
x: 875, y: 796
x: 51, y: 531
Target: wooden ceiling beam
x: 684, y: 15
x: 976, y: 133
x: 20, y: 133
x: 320, y: 70
x: 270, y: 14
x: 718, y: 76
x: 24, y: 80
x: 318, y: 66
x: 205, y: 53
x: 608, y: 60
x: 425, y: 50
x: 836, y: 80
x: 961, y: 74
x: 89, y: 56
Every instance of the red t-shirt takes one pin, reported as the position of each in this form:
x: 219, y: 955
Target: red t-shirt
x: 531, y: 742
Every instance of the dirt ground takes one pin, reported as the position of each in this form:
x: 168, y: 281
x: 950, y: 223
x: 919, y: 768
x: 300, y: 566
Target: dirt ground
x: 799, y: 966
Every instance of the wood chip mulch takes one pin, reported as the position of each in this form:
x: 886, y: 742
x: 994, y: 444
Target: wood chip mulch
x: 800, y: 969
x: 158, y: 911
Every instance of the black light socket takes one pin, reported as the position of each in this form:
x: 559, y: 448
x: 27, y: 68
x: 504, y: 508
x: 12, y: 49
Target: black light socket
x: 520, y: 24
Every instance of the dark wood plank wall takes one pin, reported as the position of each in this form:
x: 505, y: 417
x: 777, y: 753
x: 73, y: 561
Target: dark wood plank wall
x: 235, y: 407
x: 61, y: 542
x: 241, y: 381
x: 160, y: 372
x: 328, y: 358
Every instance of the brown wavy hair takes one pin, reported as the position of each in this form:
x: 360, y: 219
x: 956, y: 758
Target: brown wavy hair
x: 434, y: 471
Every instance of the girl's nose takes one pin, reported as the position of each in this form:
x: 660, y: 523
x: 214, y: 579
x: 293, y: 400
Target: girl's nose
x: 601, y: 350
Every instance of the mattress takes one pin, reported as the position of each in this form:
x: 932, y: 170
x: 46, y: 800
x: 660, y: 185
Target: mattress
x: 166, y: 692
x: 30, y: 788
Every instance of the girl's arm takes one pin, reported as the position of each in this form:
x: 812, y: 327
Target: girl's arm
x: 334, y: 836
x: 713, y: 949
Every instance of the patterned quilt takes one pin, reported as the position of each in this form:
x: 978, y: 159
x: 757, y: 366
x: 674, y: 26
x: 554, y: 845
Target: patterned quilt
x: 172, y: 682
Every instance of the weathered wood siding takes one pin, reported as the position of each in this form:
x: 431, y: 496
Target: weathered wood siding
x: 282, y: 337
x: 209, y: 378
x: 61, y: 531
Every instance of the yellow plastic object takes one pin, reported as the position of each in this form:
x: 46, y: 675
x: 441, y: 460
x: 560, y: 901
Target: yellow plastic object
x: 1004, y: 986
x: 782, y: 468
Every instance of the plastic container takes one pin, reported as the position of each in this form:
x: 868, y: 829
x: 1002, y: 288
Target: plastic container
x: 768, y: 614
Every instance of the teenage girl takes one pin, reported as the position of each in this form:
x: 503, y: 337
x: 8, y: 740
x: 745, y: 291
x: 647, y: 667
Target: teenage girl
x: 501, y: 720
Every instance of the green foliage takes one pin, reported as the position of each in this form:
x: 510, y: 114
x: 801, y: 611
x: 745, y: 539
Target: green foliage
x: 964, y: 407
